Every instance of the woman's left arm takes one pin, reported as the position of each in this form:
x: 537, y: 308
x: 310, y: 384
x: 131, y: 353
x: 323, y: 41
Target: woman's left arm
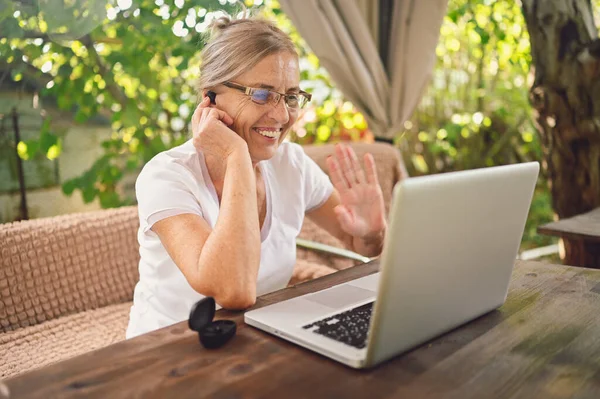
x: 355, y: 212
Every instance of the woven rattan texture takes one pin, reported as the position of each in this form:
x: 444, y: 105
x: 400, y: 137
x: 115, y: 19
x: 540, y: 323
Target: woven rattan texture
x: 62, y: 265
x: 29, y: 348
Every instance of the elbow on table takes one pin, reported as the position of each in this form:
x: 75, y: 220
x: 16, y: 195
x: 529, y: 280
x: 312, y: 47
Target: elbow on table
x: 237, y: 301
x: 228, y: 298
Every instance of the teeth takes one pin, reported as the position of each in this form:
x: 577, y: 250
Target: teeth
x: 269, y: 133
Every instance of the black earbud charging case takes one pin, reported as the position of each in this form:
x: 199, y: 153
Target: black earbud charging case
x: 213, y: 334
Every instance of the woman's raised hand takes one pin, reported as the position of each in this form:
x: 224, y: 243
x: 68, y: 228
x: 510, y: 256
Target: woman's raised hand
x: 211, y: 133
x: 361, y: 212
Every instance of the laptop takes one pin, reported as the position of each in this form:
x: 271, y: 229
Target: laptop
x: 448, y: 255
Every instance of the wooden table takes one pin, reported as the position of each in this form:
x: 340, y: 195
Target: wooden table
x: 544, y: 342
x: 583, y: 235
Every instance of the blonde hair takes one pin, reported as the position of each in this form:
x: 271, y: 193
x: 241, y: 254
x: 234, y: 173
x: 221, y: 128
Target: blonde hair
x: 235, y: 46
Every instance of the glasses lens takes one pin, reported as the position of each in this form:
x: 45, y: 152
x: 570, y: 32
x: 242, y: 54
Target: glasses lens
x: 293, y: 101
x: 303, y: 100
x: 261, y: 96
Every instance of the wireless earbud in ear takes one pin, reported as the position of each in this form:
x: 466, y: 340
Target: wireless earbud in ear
x: 212, y: 96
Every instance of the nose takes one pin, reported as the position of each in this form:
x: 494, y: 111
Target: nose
x: 280, y: 112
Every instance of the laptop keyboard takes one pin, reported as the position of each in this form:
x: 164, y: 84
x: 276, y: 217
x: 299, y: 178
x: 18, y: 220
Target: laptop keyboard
x: 350, y: 327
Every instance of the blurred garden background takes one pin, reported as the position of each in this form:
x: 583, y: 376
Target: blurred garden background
x: 97, y: 90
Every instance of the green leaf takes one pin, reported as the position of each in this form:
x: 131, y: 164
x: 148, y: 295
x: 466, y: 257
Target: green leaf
x: 453, y: 15
x: 47, y: 140
x: 81, y: 116
x: 70, y: 185
x: 157, y: 145
x: 89, y: 194
x: 54, y: 151
x: 485, y: 36
x: 10, y: 27
x: 132, y: 163
x: 109, y: 199
x: 323, y: 133
x: 130, y: 115
x: 27, y: 149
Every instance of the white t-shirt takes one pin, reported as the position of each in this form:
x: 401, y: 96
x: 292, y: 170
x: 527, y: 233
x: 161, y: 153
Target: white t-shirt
x: 176, y: 182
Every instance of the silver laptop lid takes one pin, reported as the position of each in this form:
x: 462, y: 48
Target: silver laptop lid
x: 449, y: 253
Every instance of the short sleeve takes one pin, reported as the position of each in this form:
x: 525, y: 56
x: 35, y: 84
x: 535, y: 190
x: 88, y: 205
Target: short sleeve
x: 317, y: 185
x: 165, y: 189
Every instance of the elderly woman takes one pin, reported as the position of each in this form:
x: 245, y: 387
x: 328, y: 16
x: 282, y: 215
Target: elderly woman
x: 219, y: 214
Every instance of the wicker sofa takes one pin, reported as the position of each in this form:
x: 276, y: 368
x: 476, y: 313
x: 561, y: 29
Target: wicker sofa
x: 66, y: 282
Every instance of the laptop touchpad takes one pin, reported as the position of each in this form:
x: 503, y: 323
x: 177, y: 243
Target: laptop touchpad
x: 341, y: 296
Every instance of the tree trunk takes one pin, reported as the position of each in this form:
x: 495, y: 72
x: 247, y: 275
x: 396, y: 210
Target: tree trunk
x: 566, y: 98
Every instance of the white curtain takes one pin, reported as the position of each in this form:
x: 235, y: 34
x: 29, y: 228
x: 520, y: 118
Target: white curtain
x: 343, y: 34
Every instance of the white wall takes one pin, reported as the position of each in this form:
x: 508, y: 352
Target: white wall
x: 81, y: 147
x: 42, y: 203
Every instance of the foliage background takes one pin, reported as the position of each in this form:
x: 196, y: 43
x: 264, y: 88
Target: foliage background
x: 134, y: 62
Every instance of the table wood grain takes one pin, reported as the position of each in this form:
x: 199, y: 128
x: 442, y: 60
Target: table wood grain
x: 544, y: 342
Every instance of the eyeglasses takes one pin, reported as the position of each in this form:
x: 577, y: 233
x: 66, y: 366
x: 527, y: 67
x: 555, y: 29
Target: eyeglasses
x: 265, y: 96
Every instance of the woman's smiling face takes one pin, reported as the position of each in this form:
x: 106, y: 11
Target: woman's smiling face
x: 263, y: 127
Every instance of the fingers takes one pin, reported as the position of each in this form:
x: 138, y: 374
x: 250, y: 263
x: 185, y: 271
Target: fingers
x: 204, y: 110
x: 350, y: 171
x: 198, y: 115
x: 358, y: 170
x: 220, y: 115
x: 345, y: 164
x: 335, y: 172
x: 371, y: 169
x: 202, y: 106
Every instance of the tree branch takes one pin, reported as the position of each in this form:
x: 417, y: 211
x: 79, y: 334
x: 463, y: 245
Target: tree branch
x: 29, y: 71
x: 113, y: 88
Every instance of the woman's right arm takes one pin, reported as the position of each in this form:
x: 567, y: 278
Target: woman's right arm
x: 222, y: 262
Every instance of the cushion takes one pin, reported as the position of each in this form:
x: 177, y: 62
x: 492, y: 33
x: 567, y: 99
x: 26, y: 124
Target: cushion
x: 55, y: 340
x: 62, y: 265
